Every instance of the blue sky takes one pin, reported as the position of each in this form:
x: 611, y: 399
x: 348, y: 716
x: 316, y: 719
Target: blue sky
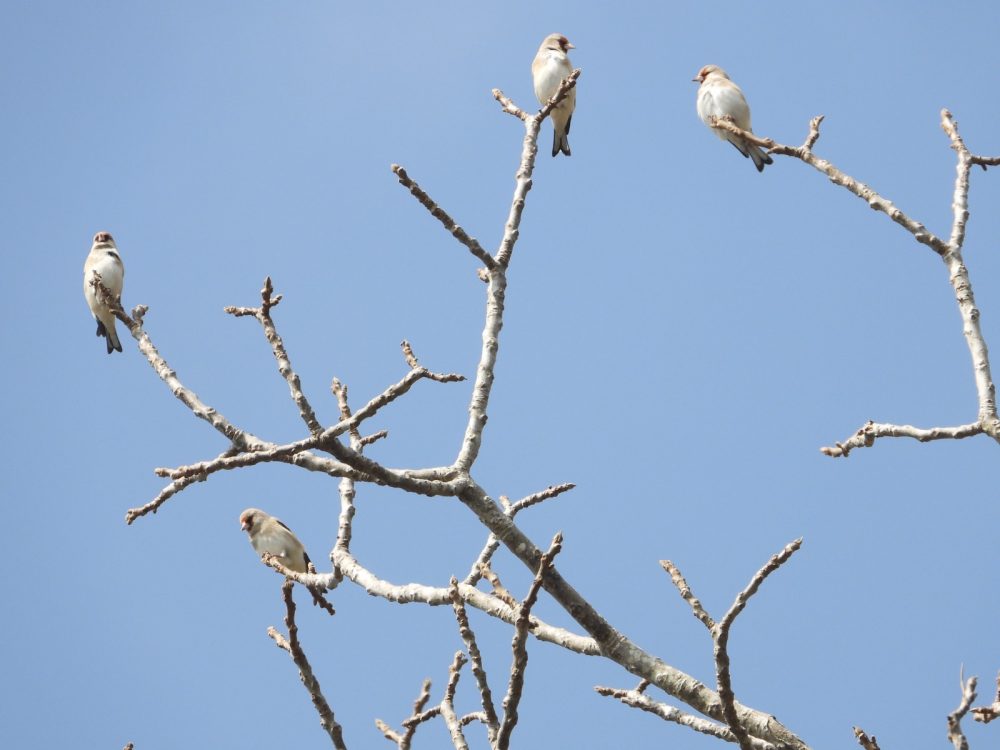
x: 682, y: 335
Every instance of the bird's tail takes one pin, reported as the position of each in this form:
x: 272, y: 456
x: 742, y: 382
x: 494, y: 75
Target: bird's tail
x: 110, y: 335
x: 759, y: 157
x: 560, y: 142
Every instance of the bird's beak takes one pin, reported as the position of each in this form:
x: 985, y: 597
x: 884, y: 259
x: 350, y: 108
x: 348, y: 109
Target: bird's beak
x: 570, y: 46
x: 245, y: 525
x: 696, y: 79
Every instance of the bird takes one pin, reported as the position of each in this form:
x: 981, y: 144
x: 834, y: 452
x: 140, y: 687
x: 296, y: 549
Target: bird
x: 104, y: 260
x: 550, y: 66
x: 719, y: 97
x: 269, y: 535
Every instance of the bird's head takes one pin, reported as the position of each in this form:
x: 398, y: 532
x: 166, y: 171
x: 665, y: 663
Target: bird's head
x: 557, y: 42
x: 707, y: 71
x: 104, y: 238
x: 250, y: 518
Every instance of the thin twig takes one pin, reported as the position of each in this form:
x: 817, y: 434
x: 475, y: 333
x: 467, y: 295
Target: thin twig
x: 441, y: 215
x: 294, y: 649
x: 482, y: 561
x: 955, y: 735
x: 687, y: 595
x: 240, y: 438
x: 494, y: 607
x: 314, y: 583
x: 410, y: 725
x: 986, y: 714
x: 499, y: 590
x: 263, y: 316
x: 448, y: 704
x: 863, y: 191
x: 475, y: 661
x: 519, y: 646
x: 868, y: 743
x: 720, y: 635
x: 637, y: 699
x: 866, y: 436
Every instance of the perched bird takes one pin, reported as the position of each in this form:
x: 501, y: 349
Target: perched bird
x: 268, y: 534
x: 105, y: 260
x: 549, y: 68
x: 721, y: 98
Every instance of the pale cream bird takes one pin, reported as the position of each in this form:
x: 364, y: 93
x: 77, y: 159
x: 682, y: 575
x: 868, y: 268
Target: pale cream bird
x: 268, y: 534
x: 105, y: 260
x: 721, y: 98
x: 550, y: 66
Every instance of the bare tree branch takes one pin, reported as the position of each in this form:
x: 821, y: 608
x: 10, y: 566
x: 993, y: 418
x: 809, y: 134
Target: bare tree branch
x: 448, y: 704
x: 492, y: 543
x: 866, y: 436
x: 720, y: 634
x: 494, y: 607
x: 637, y: 699
x: 868, y: 743
x: 986, y: 714
x: 497, y: 280
x: 955, y: 735
x: 240, y: 438
x: 441, y: 215
x: 875, y: 201
x: 273, y: 561
x: 294, y: 649
x: 410, y: 725
x: 950, y: 251
x: 613, y: 644
x: 476, y: 661
x: 520, y: 647
x: 499, y: 590
x: 263, y: 316
x: 688, y: 595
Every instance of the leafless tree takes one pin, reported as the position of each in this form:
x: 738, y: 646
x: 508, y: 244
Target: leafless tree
x: 338, y: 451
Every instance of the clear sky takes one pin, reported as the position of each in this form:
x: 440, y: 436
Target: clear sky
x: 682, y: 336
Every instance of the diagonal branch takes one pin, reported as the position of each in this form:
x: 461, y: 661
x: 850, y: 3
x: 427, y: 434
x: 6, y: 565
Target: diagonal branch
x: 520, y: 646
x: 448, y: 704
x: 497, y: 281
x: 868, y: 743
x: 476, y: 661
x: 950, y: 252
x: 431, y: 482
x: 416, y: 718
x: 986, y: 714
x: 441, y: 215
x: 955, y: 735
x: 492, y: 543
x: 614, y: 644
x: 316, y: 589
x: 687, y: 595
x: 720, y: 634
x: 528, y: 152
x: 240, y: 438
x: 875, y: 201
x: 294, y: 649
x: 263, y: 316
x: 410, y: 593
x: 639, y: 700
